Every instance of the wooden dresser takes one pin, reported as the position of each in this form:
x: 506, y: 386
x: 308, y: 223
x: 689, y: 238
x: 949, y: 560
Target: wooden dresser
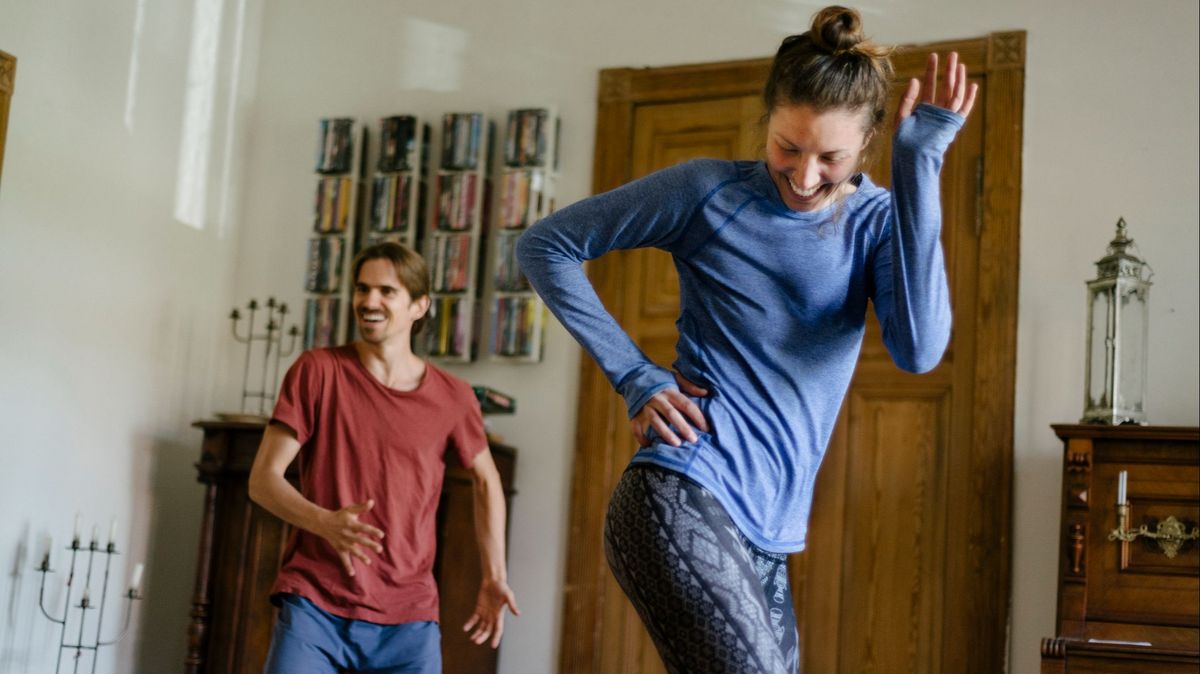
x: 241, y: 545
x: 1127, y: 606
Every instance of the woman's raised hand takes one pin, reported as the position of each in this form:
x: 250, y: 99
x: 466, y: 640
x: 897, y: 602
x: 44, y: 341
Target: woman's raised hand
x: 956, y: 94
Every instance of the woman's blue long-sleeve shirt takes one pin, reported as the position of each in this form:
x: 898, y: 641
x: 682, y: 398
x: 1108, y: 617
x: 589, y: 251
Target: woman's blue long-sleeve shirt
x: 772, y: 309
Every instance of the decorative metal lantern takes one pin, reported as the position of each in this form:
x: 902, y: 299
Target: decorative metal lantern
x: 1118, y: 328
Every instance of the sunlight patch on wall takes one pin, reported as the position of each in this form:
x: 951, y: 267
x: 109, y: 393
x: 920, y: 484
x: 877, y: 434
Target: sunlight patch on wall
x: 139, y: 20
x: 431, y: 56
x: 191, y: 186
x: 224, y: 214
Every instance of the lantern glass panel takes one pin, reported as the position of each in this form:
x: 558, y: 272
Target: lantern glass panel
x: 1132, y: 353
x: 1098, y: 374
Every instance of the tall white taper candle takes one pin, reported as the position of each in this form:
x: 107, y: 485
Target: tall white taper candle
x: 1122, y: 483
x: 135, y: 583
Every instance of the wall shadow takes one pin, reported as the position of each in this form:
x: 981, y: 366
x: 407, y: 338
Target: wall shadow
x: 174, y: 530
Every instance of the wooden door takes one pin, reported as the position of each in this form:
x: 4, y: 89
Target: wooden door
x: 908, y: 559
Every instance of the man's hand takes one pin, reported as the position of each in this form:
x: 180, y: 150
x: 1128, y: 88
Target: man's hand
x: 668, y: 408
x: 488, y: 619
x: 348, y: 536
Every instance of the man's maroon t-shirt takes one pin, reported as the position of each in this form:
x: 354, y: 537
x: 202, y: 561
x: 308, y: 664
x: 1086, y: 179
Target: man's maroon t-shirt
x: 362, y: 440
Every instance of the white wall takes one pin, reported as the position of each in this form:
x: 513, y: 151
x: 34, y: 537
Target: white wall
x: 112, y: 305
x: 1110, y: 129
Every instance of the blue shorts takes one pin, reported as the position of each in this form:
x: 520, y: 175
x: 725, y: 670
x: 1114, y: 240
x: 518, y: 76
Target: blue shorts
x: 310, y: 640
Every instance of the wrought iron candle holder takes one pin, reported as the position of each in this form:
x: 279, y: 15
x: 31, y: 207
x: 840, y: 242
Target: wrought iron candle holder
x: 1170, y: 534
x: 85, y: 601
x: 272, y: 343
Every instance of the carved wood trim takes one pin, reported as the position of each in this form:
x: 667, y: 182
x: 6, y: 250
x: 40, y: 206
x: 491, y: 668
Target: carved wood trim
x: 1078, y: 538
x: 8, y: 72
x: 1006, y: 50
x: 1078, y: 496
x: 1079, y: 456
x: 1130, y: 432
x: 1054, y: 647
x: 198, y: 627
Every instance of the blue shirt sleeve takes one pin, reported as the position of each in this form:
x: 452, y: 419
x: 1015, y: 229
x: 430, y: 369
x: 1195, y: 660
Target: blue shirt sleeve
x: 911, y: 296
x: 649, y: 212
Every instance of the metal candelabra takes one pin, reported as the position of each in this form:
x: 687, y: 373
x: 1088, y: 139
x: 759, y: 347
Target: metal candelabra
x: 272, y: 340
x: 85, y: 603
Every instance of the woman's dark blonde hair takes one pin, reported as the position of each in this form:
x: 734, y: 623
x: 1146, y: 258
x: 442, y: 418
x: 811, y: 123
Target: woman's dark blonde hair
x: 832, y: 66
x: 411, y: 270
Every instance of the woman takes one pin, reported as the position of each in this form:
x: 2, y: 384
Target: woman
x: 777, y: 260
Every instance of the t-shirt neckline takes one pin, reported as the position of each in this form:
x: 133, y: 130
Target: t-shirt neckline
x: 351, y: 352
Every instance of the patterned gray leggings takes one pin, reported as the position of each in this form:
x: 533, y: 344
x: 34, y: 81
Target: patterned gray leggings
x: 711, y: 600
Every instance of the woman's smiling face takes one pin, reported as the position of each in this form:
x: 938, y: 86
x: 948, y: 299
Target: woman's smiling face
x: 811, y: 155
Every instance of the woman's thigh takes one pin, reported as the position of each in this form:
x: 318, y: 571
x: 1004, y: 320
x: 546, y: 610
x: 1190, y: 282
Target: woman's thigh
x: 691, y: 576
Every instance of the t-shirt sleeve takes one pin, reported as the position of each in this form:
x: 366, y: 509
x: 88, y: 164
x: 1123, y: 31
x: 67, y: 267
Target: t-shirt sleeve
x: 467, y: 438
x: 299, y: 396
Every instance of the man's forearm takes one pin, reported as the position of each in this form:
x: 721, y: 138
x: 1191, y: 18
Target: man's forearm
x: 489, y: 526
x: 278, y: 496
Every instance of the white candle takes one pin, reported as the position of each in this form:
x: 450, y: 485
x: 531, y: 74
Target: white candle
x: 112, y: 532
x: 135, y: 583
x: 49, y: 550
x: 1122, y: 483
x: 78, y: 519
x: 95, y: 534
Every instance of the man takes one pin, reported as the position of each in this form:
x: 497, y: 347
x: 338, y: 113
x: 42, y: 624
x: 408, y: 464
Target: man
x: 371, y: 423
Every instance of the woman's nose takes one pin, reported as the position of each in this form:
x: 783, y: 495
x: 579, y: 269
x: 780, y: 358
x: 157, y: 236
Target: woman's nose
x: 808, y: 173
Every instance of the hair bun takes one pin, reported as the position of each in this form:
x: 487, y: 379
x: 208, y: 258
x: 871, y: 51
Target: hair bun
x: 837, y: 29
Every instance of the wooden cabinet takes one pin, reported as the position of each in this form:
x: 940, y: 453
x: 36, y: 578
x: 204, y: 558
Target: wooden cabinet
x: 1127, y: 606
x: 241, y: 545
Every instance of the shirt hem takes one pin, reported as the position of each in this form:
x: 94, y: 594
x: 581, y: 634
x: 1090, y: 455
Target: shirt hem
x: 750, y: 532
x: 350, y: 614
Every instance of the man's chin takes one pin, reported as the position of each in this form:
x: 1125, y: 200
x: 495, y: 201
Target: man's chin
x: 369, y: 336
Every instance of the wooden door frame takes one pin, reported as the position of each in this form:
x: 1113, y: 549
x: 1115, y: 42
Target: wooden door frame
x: 998, y: 57
x: 8, y: 73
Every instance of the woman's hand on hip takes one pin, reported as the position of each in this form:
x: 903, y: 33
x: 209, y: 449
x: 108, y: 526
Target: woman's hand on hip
x: 671, y: 408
